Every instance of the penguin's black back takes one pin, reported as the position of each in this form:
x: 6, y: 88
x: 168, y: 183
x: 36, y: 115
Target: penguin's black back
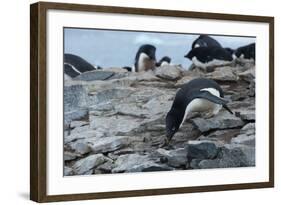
x: 70, y: 71
x: 205, y: 41
x: 78, y: 63
x: 201, y: 83
x: 249, y: 51
x: 165, y: 58
x: 207, y: 54
x: 188, y: 90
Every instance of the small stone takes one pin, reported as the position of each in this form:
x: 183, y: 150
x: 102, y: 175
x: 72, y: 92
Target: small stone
x: 244, y: 139
x: 184, y: 80
x: 201, y: 150
x: 86, y: 165
x: 74, y: 124
x: 175, y: 158
x: 194, y: 164
x: 68, y: 156
x: 67, y: 171
x: 248, y: 129
x: 222, y: 74
x: 110, y: 144
x: 80, y: 147
x: 105, y: 168
x: 168, y: 72
x: 248, y: 115
x: 248, y: 75
x: 138, y: 163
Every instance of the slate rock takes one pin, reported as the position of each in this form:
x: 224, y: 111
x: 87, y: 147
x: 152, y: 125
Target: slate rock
x: 110, y: 144
x: 138, y: 163
x: 248, y: 115
x: 74, y: 124
x: 223, y: 120
x: 94, y: 75
x: 68, y: 156
x: 223, y: 136
x: 248, y: 75
x: 231, y: 156
x: 201, y: 150
x: 175, y: 158
x: 86, y: 165
x: 168, y: 72
x: 222, y: 74
x: 67, y: 171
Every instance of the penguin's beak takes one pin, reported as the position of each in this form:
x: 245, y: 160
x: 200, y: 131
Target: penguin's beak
x: 188, y: 55
x: 152, y: 57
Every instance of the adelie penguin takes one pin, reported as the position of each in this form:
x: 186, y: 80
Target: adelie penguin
x: 199, y: 95
x: 145, y: 58
x: 204, y: 57
x: 246, y: 53
x: 75, y: 65
x: 205, y: 41
x: 166, y: 60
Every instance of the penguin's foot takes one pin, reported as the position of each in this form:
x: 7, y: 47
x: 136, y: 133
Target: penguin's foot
x: 165, y: 143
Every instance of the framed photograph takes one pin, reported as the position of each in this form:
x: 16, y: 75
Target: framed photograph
x: 136, y: 102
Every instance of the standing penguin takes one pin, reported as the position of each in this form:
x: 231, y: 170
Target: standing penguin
x: 145, y: 58
x: 75, y: 65
x: 198, y: 95
x: 166, y: 60
x: 205, y: 41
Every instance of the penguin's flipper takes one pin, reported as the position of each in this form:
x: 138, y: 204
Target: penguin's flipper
x: 207, y: 95
x: 228, y: 109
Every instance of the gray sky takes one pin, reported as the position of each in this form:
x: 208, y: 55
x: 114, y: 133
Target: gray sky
x: 108, y: 48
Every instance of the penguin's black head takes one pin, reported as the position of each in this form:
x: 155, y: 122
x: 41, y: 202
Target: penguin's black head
x: 173, y: 121
x: 149, y: 50
x: 230, y: 50
x: 166, y: 59
x: 238, y: 53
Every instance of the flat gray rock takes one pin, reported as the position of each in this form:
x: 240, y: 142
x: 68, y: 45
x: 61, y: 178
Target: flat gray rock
x: 168, y: 72
x: 138, y: 163
x: 223, y: 74
x: 94, y: 75
x: 231, y: 156
x: 175, y: 158
x: 201, y: 150
x: 223, y: 120
x: 86, y: 165
x: 111, y: 144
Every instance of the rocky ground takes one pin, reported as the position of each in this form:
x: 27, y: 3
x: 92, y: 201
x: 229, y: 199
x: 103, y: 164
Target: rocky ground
x: 117, y: 124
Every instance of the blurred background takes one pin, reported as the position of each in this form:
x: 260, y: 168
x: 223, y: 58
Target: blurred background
x: 114, y: 48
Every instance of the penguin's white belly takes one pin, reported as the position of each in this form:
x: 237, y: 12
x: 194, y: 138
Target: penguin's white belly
x: 212, y: 63
x: 164, y: 63
x: 145, y: 63
x: 203, y: 106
